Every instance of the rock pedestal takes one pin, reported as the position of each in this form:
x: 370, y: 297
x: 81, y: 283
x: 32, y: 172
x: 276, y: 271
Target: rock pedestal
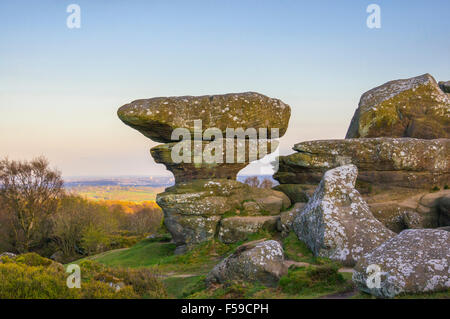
x: 206, y: 201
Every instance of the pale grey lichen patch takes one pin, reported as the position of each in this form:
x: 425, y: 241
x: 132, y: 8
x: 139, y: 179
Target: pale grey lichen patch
x: 415, y: 261
x: 254, y: 261
x: 336, y: 222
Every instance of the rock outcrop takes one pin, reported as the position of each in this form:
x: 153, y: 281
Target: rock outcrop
x: 414, y: 261
x: 395, y: 175
x: 261, y: 261
x: 210, y: 167
x: 337, y: 222
x: 402, y: 162
x: 193, y: 211
x: 156, y: 118
x: 204, y: 150
x: 415, y: 107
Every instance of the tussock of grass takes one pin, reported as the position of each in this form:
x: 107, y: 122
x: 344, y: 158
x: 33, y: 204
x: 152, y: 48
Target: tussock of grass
x: 314, y: 279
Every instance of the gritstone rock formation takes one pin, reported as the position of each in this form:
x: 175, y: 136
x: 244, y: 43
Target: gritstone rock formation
x: 414, y: 261
x: 253, y: 261
x: 415, y: 107
x: 337, y: 223
x: 395, y: 170
x: 207, y: 201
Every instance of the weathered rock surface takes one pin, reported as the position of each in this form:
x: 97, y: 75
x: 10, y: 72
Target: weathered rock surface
x: 414, y: 261
x: 420, y: 210
x: 297, y: 193
x: 235, y: 229
x: 156, y: 118
x: 445, y: 86
x: 209, y: 166
x: 337, y: 222
x: 192, y: 211
x: 403, y: 162
x: 415, y: 107
x: 254, y: 261
x: 284, y: 223
x: 444, y: 210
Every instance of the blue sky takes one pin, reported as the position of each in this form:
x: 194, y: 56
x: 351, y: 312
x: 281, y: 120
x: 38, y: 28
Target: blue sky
x: 60, y: 88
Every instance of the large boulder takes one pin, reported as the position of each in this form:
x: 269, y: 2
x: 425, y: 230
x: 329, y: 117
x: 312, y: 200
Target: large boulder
x: 415, y: 261
x: 337, y: 222
x: 415, y: 107
x: 156, y: 118
x: 193, y: 210
x: 255, y: 261
x: 402, y: 162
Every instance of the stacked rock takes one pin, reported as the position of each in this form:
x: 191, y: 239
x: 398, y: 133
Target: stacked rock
x: 207, y: 141
x: 399, y: 141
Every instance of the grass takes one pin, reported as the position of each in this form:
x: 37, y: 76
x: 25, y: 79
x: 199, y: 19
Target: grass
x: 183, y: 275
x: 182, y: 287
x: 149, y: 253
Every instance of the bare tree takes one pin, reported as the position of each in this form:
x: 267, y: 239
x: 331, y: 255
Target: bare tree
x: 252, y: 181
x: 266, y: 183
x: 29, y: 192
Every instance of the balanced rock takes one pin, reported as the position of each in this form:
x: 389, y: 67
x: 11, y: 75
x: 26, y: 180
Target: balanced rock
x: 337, y: 222
x: 255, y: 261
x: 193, y: 211
x: 415, y: 261
x: 404, y: 162
x: 415, y: 107
x: 156, y: 118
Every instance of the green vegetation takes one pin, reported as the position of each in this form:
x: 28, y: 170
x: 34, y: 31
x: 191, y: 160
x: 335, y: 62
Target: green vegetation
x: 313, y: 279
x: 31, y: 276
x: 118, y: 193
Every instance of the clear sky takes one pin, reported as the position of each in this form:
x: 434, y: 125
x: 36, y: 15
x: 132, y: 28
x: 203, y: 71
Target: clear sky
x: 60, y: 87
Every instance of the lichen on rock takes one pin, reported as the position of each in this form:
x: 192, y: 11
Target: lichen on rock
x: 415, y: 261
x: 260, y: 261
x: 336, y: 222
x: 415, y: 107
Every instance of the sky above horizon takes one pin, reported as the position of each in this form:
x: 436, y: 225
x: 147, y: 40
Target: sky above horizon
x: 60, y: 88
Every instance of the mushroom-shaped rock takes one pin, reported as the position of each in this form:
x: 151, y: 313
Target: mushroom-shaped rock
x: 415, y: 261
x: 415, y: 107
x: 156, y: 118
x: 336, y: 222
x: 260, y: 261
